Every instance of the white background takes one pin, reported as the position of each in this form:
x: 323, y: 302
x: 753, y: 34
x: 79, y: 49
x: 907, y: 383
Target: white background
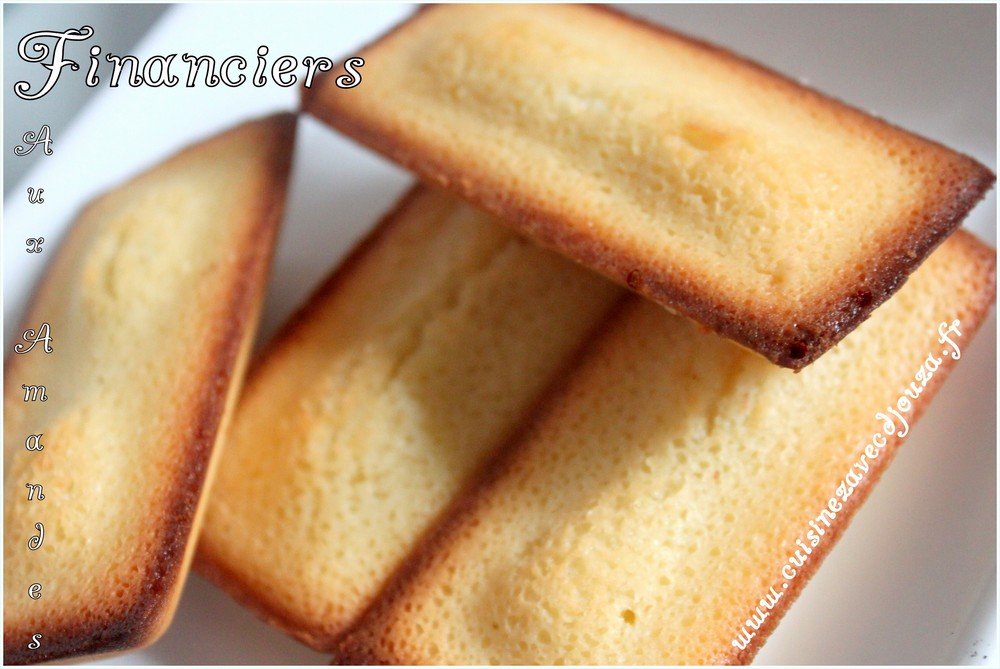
x: 912, y: 581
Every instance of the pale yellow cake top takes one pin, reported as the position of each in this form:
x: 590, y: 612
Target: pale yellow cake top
x: 771, y: 213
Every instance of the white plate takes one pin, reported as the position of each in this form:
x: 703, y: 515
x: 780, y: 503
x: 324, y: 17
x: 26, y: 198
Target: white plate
x: 912, y: 581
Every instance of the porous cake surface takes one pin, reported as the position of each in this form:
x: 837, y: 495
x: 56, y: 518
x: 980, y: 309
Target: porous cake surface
x: 652, y: 503
x: 413, y: 363
x: 152, y: 301
x: 772, y: 214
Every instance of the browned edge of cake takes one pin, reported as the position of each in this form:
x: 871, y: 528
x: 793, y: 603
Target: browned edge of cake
x: 792, y: 345
x: 134, y: 622
x: 362, y: 644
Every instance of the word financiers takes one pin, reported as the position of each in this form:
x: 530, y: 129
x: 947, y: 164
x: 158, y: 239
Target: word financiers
x: 48, y: 47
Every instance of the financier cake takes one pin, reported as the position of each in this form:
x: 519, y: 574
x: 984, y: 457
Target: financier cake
x: 669, y: 501
x: 413, y: 362
x: 770, y: 213
x: 151, y: 303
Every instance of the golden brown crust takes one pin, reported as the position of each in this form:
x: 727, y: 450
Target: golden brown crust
x: 790, y: 341
x: 364, y: 643
x: 138, y: 620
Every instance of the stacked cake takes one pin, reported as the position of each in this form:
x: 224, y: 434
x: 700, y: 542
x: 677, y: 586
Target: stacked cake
x: 604, y: 388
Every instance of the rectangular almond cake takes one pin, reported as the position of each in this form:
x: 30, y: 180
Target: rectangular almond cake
x: 152, y: 303
x: 774, y: 215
